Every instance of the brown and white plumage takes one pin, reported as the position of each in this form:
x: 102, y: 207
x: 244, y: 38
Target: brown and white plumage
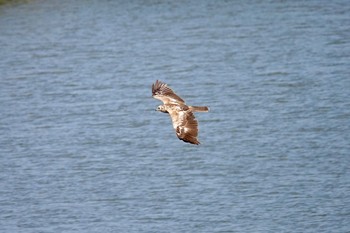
x: 183, y: 119
x: 162, y: 92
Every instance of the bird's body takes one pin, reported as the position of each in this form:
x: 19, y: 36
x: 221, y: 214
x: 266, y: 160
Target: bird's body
x: 183, y: 119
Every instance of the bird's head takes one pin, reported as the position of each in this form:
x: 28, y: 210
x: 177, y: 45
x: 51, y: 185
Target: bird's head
x: 161, y: 108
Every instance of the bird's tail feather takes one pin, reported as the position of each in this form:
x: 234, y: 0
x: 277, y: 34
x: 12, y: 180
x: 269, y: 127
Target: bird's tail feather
x: 199, y: 108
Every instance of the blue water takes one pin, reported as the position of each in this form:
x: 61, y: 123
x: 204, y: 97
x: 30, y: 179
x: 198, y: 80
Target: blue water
x: 82, y: 149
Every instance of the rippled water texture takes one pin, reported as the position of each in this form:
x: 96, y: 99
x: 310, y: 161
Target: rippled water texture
x: 82, y: 149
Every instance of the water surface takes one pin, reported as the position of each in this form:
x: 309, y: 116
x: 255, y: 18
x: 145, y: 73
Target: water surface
x: 82, y: 149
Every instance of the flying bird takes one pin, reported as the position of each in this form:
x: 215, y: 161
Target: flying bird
x: 182, y: 117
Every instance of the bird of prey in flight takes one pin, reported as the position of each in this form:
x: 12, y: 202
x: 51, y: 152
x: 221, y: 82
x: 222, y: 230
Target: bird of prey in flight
x: 182, y: 117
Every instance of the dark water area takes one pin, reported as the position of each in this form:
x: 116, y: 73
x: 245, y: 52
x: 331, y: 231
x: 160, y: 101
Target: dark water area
x: 82, y: 149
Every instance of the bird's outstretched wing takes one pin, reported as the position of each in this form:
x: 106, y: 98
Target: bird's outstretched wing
x: 185, y: 124
x: 164, y: 93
